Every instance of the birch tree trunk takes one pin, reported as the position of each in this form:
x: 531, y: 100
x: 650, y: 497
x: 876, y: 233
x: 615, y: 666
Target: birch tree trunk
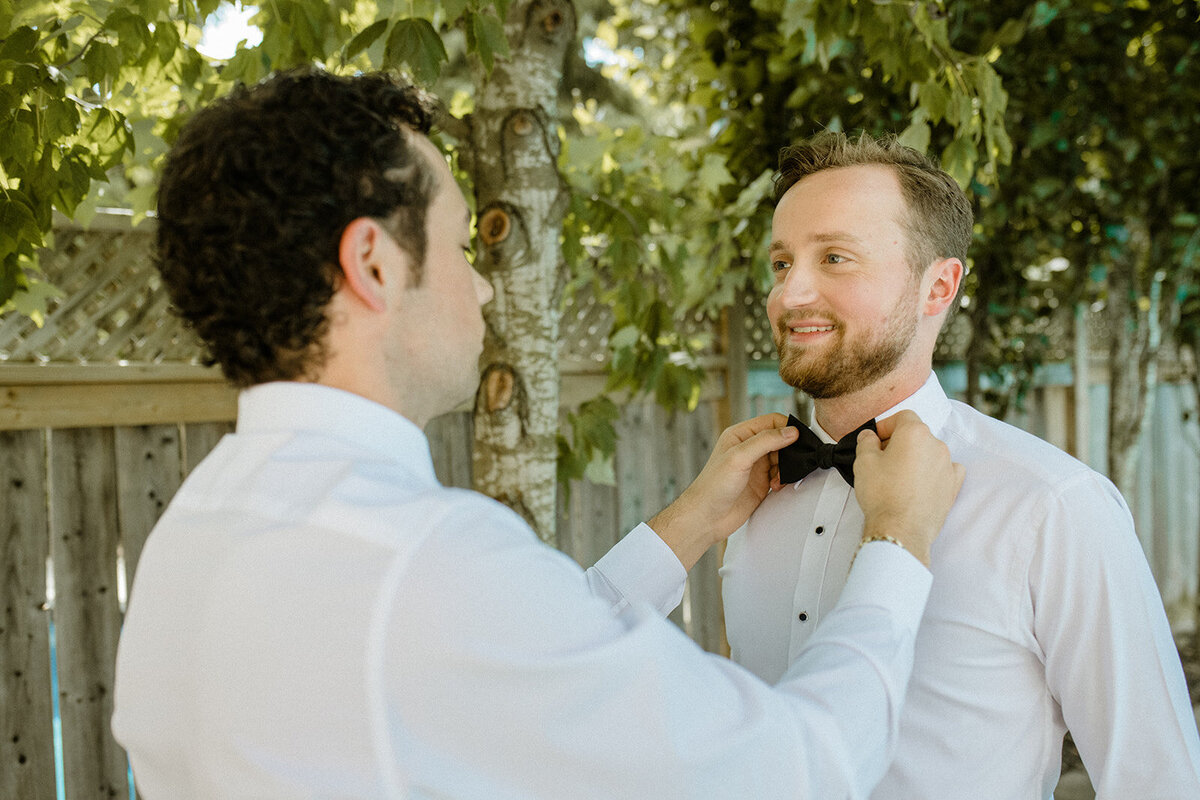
x: 520, y: 203
x: 1133, y: 352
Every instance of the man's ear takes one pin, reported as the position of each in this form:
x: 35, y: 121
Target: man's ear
x: 943, y: 278
x: 360, y: 254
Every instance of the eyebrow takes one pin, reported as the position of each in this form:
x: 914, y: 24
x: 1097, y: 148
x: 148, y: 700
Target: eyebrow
x: 820, y: 238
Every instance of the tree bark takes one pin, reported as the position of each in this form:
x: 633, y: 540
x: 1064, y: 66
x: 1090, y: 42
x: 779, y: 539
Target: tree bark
x: 1134, y: 323
x: 520, y: 203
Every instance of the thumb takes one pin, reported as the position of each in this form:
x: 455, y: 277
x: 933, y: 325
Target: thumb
x: 868, y: 441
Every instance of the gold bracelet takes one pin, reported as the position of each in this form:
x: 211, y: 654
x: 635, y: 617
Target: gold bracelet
x: 877, y: 538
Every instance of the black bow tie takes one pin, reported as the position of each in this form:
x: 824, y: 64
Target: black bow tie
x: 808, y: 453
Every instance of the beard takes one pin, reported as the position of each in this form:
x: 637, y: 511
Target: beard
x: 848, y: 366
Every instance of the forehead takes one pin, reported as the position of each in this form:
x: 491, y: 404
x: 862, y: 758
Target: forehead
x: 868, y: 194
x: 446, y: 192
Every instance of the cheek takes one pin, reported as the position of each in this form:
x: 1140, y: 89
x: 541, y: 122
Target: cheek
x: 774, y: 305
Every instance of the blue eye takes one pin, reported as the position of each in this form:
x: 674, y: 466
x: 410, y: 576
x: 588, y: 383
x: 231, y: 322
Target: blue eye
x: 779, y: 266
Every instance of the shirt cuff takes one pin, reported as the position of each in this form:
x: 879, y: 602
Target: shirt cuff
x: 642, y: 568
x: 887, y: 575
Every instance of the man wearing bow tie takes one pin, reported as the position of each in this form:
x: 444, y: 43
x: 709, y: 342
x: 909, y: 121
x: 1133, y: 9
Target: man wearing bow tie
x: 316, y: 616
x: 1044, y: 616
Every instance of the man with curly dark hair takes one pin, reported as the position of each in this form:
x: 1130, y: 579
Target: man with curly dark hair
x: 316, y: 616
x: 254, y: 200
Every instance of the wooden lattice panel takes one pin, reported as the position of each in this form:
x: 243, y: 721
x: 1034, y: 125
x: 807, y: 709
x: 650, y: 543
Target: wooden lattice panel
x: 113, y: 307
x: 585, y: 325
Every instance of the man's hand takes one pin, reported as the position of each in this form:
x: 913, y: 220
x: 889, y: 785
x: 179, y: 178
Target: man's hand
x: 905, y: 483
x: 743, y: 466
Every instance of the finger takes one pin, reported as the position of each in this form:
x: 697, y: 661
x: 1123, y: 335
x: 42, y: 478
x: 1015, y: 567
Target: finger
x: 886, y: 427
x: 756, y: 425
x: 762, y: 443
x: 868, y: 442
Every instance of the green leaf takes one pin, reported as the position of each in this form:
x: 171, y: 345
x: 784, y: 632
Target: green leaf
x: 917, y: 134
x: 601, y: 470
x: 934, y: 98
x: 1043, y: 14
x: 101, y: 62
x: 60, y: 118
x: 19, y: 44
x: 19, y: 231
x: 487, y: 38
x: 501, y: 7
x: 365, y: 38
x: 714, y: 173
x: 750, y: 199
x: 414, y: 42
x: 1010, y: 33
x: 133, y: 34
x: 8, y: 277
x: 626, y: 337
x: 959, y: 160
x: 797, y: 16
x: 166, y: 39
x: 453, y: 9
x: 32, y: 300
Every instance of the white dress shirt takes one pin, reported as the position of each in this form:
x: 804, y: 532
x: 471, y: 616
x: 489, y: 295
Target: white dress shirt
x: 1043, y: 617
x: 315, y: 616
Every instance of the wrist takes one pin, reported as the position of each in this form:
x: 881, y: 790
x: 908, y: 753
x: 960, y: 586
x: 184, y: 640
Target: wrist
x: 687, y: 539
x: 913, y: 545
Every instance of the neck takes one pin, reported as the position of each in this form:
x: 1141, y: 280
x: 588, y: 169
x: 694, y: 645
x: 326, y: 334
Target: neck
x: 838, y: 416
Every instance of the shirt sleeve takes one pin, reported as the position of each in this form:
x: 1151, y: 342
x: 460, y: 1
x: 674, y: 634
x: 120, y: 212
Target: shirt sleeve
x: 506, y: 677
x: 1110, y: 659
x: 639, y: 568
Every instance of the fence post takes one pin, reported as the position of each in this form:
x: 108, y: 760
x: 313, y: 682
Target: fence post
x: 87, y: 619
x: 26, y: 699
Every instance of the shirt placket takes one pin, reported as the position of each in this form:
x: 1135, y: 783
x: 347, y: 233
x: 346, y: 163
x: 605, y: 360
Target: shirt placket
x: 814, y: 560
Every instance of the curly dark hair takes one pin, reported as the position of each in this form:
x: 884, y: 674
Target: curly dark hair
x: 940, y: 219
x: 253, y: 200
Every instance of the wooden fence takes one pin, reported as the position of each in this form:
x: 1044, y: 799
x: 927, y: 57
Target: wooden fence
x: 79, y: 502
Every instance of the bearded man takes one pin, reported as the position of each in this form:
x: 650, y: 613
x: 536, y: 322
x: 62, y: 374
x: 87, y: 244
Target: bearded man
x: 1044, y: 616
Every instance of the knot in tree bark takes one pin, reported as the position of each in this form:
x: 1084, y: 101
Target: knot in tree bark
x: 494, y: 226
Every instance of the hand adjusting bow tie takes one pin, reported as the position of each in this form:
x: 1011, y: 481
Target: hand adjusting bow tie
x: 808, y: 453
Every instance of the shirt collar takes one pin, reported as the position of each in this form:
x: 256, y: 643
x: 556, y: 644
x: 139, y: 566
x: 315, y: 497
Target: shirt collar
x: 348, y: 417
x: 929, y: 402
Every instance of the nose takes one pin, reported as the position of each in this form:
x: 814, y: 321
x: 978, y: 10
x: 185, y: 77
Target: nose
x: 798, y: 288
x: 483, y: 288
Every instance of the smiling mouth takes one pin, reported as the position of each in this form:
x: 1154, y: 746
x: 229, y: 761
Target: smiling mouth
x: 811, y: 328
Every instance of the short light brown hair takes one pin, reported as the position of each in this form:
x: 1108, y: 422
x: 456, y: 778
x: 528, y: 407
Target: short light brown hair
x: 939, y: 221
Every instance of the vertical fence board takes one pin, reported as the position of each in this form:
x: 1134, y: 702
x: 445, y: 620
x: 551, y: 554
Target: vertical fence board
x: 26, y: 699
x: 669, y: 471
x: 571, y: 539
x: 84, y: 536
x: 596, y: 525
x: 450, y: 440
x: 149, y: 471
x: 708, y: 619
x: 199, y: 439
x: 634, y: 465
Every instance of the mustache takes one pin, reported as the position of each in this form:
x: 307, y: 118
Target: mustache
x: 786, y: 321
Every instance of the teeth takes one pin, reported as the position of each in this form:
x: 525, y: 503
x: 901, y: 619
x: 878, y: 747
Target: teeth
x: 812, y: 329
